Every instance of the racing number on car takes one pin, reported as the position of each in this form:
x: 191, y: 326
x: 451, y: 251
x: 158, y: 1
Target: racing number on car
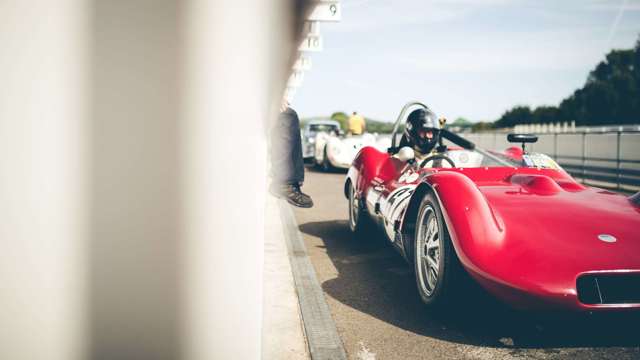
x: 397, y: 194
x: 395, y: 199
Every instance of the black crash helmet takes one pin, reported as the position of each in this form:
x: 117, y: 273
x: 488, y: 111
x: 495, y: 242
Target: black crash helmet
x: 422, y: 130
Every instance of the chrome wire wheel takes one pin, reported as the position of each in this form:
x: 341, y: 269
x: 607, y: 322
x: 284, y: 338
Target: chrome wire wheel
x: 353, y: 208
x: 428, y: 243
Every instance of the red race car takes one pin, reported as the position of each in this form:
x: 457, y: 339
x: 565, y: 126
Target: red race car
x: 517, y: 223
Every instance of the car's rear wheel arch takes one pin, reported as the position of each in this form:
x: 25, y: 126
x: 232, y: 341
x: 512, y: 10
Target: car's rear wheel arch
x: 409, y: 220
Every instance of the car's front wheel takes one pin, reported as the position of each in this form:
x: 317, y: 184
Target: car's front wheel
x: 437, y: 268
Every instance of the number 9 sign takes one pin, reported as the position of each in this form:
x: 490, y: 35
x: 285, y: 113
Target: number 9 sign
x: 326, y: 11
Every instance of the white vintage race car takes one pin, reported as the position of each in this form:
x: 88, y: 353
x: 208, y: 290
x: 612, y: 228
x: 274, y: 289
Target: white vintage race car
x: 311, y: 131
x: 333, y: 151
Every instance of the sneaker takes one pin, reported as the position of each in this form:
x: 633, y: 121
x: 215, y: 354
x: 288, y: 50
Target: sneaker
x: 292, y: 194
x: 297, y: 198
x: 306, y: 197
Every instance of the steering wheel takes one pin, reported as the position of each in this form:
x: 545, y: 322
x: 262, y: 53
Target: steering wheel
x: 437, y: 157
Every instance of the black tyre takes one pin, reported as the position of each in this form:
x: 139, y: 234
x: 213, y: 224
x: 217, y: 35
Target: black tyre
x: 439, y: 274
x: 359, y: 222
x: 326, y: 165
x: 316, y: 160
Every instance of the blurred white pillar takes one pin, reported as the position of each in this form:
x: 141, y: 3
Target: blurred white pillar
x: 183, y: 93
x: 135, y: 172
x: 233, y: 84
x: 132, y: 175
x: 42, y: 182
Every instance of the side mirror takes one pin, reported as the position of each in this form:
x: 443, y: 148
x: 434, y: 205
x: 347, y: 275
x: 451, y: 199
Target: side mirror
x: 405, y: 154
x: 522, y: 138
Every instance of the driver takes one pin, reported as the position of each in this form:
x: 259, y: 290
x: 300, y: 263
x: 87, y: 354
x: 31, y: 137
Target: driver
x: 421, y: 133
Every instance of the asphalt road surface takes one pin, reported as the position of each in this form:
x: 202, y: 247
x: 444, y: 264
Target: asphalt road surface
x: 371, y: 293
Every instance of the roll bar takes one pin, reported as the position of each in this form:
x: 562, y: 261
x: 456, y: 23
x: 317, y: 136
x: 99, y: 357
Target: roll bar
x: 401, y: 116
x: 455, y: 138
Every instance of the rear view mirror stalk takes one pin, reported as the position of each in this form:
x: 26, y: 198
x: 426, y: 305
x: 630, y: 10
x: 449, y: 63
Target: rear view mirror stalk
x: 523, y: 139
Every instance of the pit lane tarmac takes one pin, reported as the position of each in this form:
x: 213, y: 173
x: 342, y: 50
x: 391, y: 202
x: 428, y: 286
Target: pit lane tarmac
x: 371, y: 294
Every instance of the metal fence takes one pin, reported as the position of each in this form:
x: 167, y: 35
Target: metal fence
x: 608, y: 158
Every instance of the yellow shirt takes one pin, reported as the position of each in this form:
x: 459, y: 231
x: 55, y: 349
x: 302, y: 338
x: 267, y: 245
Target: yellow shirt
x: 356, y: 124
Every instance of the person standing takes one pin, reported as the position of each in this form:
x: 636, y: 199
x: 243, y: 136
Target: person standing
x: 287, y: 163
x: 356, y: 124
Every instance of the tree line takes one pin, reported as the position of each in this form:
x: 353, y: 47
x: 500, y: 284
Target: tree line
x: 610, y: 96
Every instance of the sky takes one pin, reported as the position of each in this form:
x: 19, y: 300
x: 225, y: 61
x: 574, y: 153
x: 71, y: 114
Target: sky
x: 463, y: 58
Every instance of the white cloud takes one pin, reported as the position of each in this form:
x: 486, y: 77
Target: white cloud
x: 609, y: 5
x: 616, y: 21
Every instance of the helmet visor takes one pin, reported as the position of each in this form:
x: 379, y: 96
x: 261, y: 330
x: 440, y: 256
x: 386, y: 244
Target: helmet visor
x: 426, y: 133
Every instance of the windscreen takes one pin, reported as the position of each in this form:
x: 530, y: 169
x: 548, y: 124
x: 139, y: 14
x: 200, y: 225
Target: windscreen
x: 464, y: 158
x: 482, y: 158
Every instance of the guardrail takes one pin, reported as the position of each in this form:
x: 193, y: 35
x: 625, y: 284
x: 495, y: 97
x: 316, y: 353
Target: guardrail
x: 613, y: 171
x: 619, y: 177
x: 609, y: 159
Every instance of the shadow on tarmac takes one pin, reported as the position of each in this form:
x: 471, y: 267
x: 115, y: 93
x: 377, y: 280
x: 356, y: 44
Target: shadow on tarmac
x: 375, y: 280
